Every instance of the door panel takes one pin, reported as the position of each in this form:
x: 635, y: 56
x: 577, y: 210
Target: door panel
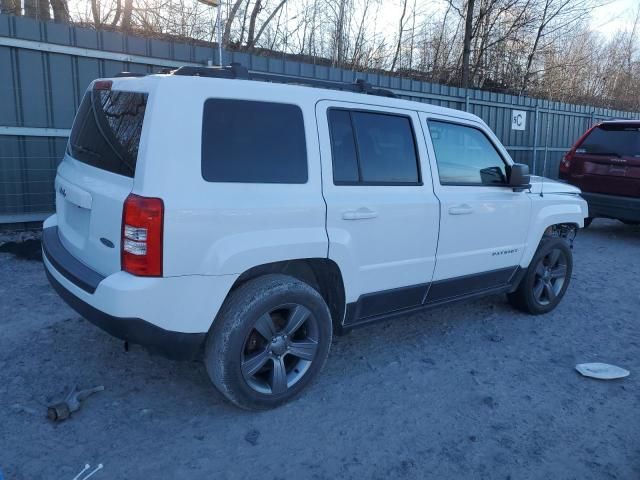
x: 483, y: 227
x: 383, y: 236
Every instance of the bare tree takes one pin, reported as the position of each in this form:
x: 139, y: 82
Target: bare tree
x: 400, y: 30
x: 10, y: 7
x: 466, y: 49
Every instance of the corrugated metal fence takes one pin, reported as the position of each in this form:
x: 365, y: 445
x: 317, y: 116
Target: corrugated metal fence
x: 45, y: 68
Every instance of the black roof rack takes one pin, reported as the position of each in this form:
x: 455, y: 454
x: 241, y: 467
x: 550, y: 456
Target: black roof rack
x: 238, y: 71
x: 130, y: 74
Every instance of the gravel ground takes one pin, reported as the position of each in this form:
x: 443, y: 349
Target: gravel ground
x: 472, y: 390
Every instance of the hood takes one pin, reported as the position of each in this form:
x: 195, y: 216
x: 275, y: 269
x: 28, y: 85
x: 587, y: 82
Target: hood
x: 547, y: 185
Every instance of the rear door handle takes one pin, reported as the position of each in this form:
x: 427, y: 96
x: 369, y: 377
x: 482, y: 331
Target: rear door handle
x: 360, y: 214
x: 463, y: 209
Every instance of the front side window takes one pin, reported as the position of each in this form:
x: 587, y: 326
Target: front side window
x: 253, y: 142
x: 465, y: 156
x: 372, y: 148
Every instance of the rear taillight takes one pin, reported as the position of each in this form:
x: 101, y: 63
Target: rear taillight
x: 565, y: 163
x: 141, y: 242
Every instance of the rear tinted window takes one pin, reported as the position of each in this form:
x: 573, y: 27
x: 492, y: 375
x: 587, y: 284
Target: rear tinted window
x: 253, y: 142
x: 343, y: 147
x: 621, y: 140
x: 106, y: 131
x: 372, y: 148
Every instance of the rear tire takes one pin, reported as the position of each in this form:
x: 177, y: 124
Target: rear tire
x: 587, y: 222
x: 269, y: 341
x: 546, y: 279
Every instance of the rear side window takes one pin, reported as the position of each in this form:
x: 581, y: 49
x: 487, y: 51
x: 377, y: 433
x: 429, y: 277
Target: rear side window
x: 253, y: 142
x: 372, y: 148
x: 107, y: 128
x: 622, y: 140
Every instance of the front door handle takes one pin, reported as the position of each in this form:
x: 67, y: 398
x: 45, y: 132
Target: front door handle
x: 463, y: 209
x: 360, y: 214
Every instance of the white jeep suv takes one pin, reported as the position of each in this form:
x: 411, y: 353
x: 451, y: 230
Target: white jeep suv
x: 217, y: 210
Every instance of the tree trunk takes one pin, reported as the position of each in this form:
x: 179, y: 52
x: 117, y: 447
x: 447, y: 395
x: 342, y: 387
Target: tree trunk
x: 264, y: 25
x: 95, y: 11
x: 10, y: 7
x: 243, y: 30
x: 252, y: 23
x: 116, y: 17
x: 31, y: 8
x: 339, y: 36
x: 400, y: 30
x: 466, y: 50
x: 127, y: 13
x: 60, y: 10
x: 232, y: 15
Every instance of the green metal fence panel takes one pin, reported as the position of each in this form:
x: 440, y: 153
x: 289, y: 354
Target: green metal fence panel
x: 45, y: 67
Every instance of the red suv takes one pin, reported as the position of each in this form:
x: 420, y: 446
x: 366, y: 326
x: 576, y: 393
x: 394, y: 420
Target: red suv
x: 605, y: 164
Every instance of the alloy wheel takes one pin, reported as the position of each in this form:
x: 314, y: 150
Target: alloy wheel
x: 279, y: 349
x: 550, y: 276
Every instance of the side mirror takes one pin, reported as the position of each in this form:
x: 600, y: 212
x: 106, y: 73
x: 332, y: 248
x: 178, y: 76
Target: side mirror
x: 519, y: 178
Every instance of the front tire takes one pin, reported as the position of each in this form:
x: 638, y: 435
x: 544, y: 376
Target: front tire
x: 269, y: 341
x: 546, y: 279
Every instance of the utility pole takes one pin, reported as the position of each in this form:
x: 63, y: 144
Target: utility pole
x: 216, y: 3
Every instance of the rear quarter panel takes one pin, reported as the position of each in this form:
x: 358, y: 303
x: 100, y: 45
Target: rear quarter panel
x: 226, y: 228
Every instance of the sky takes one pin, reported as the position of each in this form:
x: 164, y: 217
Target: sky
x: 608, y: 19
x: 618, y: 15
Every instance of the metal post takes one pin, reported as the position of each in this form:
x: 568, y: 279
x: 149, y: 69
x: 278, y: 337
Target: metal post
x: 466, y: 103
x: 546, y: 144
x: 219, y: 28
x: 535, y: 138
x: 216, y: 3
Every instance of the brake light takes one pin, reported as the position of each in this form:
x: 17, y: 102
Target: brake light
x: 102, y: 85
x: 565, y: 163
x: 141, y: 242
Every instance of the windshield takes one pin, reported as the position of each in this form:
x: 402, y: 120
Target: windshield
x: 106, y: 131
x: 622, y: 140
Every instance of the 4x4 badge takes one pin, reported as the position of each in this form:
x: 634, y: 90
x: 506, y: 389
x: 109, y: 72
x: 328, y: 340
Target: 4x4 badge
x: 62, y: 191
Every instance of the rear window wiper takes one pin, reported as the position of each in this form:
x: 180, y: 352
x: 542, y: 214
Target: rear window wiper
x: 608, y: 154
x: 88, y: 151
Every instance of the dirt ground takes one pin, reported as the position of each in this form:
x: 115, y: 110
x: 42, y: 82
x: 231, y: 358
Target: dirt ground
x: 470, y: 391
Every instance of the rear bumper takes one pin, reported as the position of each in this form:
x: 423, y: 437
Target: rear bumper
x: 176, y: 345
x: 170, y: 315
x: 613, y: 206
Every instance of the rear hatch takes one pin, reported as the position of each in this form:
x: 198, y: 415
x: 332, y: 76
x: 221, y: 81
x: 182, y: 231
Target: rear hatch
x: 97, y: 174
x: 606, y: 160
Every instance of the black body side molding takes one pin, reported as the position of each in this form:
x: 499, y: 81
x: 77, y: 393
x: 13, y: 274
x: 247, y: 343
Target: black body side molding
x: 376, y: 306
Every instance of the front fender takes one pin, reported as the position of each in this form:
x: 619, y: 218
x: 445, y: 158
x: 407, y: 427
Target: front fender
x: 552, y: 209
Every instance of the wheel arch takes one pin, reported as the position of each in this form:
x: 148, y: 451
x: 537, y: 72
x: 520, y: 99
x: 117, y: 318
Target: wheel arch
x: 548, y: 217
x: 322, y: 274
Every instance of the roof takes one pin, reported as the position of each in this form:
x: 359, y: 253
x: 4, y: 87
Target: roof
x: 297, y: 87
